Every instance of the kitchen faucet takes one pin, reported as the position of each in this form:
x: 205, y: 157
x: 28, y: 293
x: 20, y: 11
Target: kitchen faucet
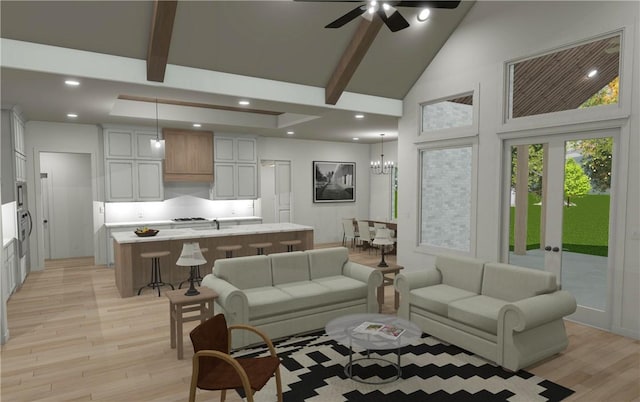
x: 217, y: 224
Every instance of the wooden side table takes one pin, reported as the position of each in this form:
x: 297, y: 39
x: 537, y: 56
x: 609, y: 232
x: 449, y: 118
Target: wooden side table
x: 179, y: 304
x: 391, y: 269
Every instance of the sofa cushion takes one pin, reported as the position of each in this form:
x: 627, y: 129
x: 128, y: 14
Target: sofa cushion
x: 244, y: 272
x: 461, y: 272
x: 436, y: 298
x: 327, y: 261
x: 477, y: 311
x: 267, y: 301
x: 342, y: 288
x: 289, y: 267
x: 512, y: 283
x: 308, y: 294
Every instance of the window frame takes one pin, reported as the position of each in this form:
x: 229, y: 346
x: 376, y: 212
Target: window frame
x: 451, y: 132
x: 471, y: 142
x: 619, y: 110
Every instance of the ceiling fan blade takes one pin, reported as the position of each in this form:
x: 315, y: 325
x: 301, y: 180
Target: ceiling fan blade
x: 348, y: 17
x: 395, y: 22
x: 428, y: 4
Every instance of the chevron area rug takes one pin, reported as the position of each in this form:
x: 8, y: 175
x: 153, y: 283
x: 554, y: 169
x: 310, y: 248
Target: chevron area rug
x: 313, y: 370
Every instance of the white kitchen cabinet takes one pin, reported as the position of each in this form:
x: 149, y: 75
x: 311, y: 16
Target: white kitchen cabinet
x: 235, y: 149
x: 225, y: 181
x: 132, y: 180
x: 18, y: 133
x: 119, y: 180
x: 128, y: 143
x: 148, y: 186
x: 21, y: 167
x: 9, y: 267
x: 119, y: 143
x: 247, y: 175
x: 236, y: 181
x: 236, y: 169
x: 132, y: 173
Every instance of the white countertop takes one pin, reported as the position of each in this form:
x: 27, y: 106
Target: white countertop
x: 188, y: 233
x: 172, y: 222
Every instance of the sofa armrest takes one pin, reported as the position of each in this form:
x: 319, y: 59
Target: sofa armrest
x: 363, y: 273
x: 535, y: 311
x: 371, y: 276
x: 230, y: 298
x: 406, y: 281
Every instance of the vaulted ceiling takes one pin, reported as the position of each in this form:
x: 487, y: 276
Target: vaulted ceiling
x: 276, y: 54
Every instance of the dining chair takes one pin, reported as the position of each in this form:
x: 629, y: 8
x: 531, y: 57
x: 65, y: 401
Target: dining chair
x: 367, y: 234
x: 377, y: 225
x: 215, y: 369
x: 349, y: 232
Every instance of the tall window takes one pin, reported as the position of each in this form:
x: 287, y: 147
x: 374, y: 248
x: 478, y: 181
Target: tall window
x: 447, y: 197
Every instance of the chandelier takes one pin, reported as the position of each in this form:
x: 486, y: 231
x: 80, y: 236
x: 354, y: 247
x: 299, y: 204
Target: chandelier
x: 381, y: 166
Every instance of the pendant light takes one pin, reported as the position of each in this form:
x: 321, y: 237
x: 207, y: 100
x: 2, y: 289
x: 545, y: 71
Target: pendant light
x: 381, y: 166
x: 157, y: 145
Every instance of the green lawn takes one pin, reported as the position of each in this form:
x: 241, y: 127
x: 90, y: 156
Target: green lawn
x: 585, y: 225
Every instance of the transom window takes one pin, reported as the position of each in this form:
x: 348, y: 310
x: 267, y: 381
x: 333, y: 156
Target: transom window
x: 581, y: 76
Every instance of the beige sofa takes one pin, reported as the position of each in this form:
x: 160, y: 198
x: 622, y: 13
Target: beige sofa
x: 288, y: 293
x: 510, y: 315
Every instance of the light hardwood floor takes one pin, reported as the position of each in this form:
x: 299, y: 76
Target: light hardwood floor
x: 74, y: 339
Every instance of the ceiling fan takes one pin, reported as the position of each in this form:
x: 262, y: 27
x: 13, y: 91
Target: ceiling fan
x: 387, y: 10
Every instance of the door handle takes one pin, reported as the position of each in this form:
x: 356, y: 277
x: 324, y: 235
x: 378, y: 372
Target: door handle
x: 556, y: 249
x: 548, y: 248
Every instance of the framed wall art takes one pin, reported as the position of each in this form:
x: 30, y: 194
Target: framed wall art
x: 334, y: 181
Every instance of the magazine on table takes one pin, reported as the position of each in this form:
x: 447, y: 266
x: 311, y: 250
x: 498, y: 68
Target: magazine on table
x: 378, y: 328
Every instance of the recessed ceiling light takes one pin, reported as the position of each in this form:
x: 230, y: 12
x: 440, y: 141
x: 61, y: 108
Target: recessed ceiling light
x: 359, y: 116
x: 197, y: 125
x: 592, y: 73
x: 244, y: 102
x: 356, y: 139
x: 72, y: 83
x: 424, y: 14
x: 72, y: 115
x: 290, y: 132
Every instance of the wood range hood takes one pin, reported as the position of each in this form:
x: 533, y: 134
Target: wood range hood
x: 188, y: 156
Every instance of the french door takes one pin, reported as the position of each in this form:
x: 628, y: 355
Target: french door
x: 557, y: 215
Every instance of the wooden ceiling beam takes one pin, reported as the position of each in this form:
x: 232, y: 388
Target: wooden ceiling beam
x: 164, y: 13
x: 351, y: 58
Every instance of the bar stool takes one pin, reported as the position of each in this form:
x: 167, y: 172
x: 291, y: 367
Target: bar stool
x: 290, y: 244
x: 228, y: 250
x: 260, y: 247
x: 198, y: 277
x: 156, y: 275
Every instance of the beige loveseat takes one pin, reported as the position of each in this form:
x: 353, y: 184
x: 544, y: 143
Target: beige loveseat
x: 510, y: 315
x: 289, y: 293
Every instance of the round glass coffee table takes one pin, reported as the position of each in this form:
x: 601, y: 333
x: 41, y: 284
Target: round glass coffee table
x: 373, y: 332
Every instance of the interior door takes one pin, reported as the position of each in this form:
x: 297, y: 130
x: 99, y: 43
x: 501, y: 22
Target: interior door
x: 557, y: 196
x: 45, y: 190
x: 283, y: 191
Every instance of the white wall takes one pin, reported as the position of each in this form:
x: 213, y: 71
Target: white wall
x: 492, y: 33
x: 60, y: 137
x: 324, y: 217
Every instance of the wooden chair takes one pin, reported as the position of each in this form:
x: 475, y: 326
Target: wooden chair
x: 215, y: 369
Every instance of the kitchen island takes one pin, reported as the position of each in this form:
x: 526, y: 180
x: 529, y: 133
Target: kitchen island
x: 133, y: 272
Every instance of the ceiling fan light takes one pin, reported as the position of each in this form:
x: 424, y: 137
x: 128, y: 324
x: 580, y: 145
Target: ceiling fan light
x: 386, y: 6
x: 424, y: 14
